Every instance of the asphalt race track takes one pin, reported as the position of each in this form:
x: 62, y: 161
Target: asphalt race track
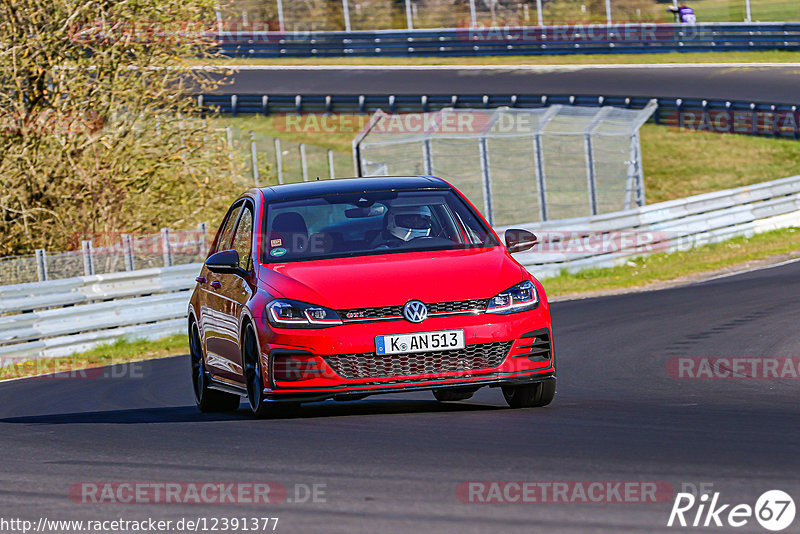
x: 393, y: 463
x: 768, y: 84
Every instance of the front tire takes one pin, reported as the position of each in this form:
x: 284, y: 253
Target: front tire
x: 254, y: 375
x: 207, y: 400
x: 530, y: 395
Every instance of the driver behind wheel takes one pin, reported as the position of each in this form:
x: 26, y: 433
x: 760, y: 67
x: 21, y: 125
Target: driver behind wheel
x: 404, y: 223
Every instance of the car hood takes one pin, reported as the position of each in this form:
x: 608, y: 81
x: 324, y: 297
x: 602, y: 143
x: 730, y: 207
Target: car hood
x: 394, y: 279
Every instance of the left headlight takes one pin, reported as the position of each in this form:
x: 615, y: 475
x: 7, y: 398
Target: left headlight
x: 295, y: 314
x: 515, y: 299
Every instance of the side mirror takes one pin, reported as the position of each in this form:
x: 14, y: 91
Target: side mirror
x: 224, y: 261
x: 520, y: 240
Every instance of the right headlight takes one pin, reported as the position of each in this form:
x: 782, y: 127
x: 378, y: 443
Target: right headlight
x: 521, y: 297
x: 285, y: 313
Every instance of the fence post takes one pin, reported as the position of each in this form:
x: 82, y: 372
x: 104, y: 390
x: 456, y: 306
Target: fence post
x: 281, y: 24
x: 346, y: 13
x: 539, y: 14
x: 166, y: 248
x: 640, y: 199
x: 541, y: 183
x: 486, y: 179
x: 303, y: 163
x: 254, y: 157
x: 88, y: 260
x: 427, y: 157
x: 473, y: 16
x: 409, y: 17
x: 279, y: 160
x: 590, y: 173
x: 330, y: 164
x: 748, y: 14
x: 41, y: 264
x: 202, y: 229
x: 608, y: 12
x: 127, y: 252
x: 538, y: 159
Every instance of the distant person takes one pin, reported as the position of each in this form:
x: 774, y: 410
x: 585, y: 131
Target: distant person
x: 683, y: 13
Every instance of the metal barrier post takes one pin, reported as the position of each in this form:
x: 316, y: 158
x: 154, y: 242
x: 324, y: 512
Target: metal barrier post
x: 166, y: 248
x: 538, y: 159
x: 608, y: 12
x: 409, y: 17
x: 590, y: 173
x: 640, y: 199
x: 303, y: 164
x: 202, y: 229
x: 330, y: 164
x: 281, y: 24
x: 539, y: 15
x: 486, y: 178
x: 591, y: 176
x: 427, y: 158
x: 254, y: 157
x: 473, y: 17
x: 279, y: 160
x: 127, y: 252
x: 88, y: 260
x: 346, y: 13
x: 748, y: 15
x: 41, y: 264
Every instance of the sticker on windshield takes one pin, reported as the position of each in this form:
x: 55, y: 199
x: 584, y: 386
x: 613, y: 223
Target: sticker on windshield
x: 276, y: 243
x: 277, y: 252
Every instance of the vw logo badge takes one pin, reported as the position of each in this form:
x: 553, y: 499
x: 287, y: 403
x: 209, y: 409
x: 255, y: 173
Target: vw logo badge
x: 415, y: 311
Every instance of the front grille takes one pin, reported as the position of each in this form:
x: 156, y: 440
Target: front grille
x: 387, y: 312
x: 371, y: 365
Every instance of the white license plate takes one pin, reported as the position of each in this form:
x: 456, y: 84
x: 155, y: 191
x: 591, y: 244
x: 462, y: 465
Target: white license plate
x: 419, y: 342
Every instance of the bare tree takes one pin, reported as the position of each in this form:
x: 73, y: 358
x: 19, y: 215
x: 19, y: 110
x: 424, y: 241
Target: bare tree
x: 97, y: 132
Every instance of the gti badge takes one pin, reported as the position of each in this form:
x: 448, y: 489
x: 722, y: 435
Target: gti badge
x: 415, y: 311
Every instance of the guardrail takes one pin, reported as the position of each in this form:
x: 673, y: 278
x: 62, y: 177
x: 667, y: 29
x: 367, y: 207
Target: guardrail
x: 517, y: 40
x: 59, y: 317
x: 612, y: 239
x: 716, y: 116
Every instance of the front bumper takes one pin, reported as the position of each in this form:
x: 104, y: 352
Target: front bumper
x: 308, y: 349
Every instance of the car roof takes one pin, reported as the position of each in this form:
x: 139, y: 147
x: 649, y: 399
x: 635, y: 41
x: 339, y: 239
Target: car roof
x: 352, y: 185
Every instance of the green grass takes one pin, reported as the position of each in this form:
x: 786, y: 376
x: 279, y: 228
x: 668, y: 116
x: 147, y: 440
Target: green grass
x: 121, y: 351
x: 664, y: 267
x: 678, y: 164
x: 775, y: 56
x: 734, y: 10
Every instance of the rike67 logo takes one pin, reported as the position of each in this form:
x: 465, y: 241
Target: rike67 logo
x: 774, y: 510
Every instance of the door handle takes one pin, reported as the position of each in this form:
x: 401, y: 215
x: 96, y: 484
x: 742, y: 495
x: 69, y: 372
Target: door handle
x: 201, y: 280
x: 216, y: 285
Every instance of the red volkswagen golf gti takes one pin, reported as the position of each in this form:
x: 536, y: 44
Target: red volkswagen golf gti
x: 347, y: 288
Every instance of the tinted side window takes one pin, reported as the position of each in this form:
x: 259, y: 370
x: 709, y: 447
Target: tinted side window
x: 243, y: 238
x: 224, y: 242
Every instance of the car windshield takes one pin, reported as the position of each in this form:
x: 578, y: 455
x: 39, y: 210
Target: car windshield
x: 370, y: 223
